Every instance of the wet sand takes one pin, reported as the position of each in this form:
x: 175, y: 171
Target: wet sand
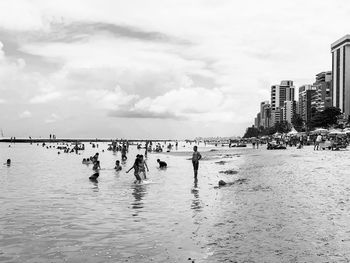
x: 289, y: 206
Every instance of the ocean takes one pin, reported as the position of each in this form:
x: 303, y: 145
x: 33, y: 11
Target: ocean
x: 279, y: 206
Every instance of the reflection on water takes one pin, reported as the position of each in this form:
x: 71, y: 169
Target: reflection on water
x: 94, y: 182
x: 139, y: 191
x: 196, y: 202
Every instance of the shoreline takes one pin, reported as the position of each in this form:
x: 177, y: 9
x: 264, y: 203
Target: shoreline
x: 75, y: 140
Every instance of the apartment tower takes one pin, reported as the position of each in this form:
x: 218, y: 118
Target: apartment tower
x: 341, y: 74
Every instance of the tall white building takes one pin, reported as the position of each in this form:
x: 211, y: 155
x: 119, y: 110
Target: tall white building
x: 280, y: 94
x: 341, y: 74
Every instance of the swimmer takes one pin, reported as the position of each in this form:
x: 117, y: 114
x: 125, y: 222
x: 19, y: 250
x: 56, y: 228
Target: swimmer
x: 117, y: 166
x: 136, y: 170
x: 94, y: 176
x: 124, y: 150
x: 8, y: 162
x: 162, y: 164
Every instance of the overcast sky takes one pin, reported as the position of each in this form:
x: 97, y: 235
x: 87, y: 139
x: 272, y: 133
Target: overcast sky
x: 155, y: 69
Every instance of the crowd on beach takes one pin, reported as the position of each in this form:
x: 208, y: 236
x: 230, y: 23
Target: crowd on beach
x: 320, y: 139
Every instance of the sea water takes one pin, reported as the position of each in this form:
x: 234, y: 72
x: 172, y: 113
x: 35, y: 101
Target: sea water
x: 292, y: 206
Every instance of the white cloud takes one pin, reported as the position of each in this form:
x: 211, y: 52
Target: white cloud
x: 110, y: 99
x: 44, y: 98
x: 52, y: 118
x: 25, y: 114
x: 197, y: 60
x: 20, y: 15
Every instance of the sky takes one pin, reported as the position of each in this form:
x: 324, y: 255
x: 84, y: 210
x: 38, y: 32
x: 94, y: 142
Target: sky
x: 155, y: 69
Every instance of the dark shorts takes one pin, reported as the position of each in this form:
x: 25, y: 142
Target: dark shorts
x: 137, y: 176
x: 195, y: 165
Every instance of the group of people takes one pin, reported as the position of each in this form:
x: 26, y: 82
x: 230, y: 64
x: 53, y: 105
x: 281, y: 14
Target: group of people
x: 140, y: 166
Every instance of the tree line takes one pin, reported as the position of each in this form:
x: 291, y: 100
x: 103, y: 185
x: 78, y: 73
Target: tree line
x: 319, y: 119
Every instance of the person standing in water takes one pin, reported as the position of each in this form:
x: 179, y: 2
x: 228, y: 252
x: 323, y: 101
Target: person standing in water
x: 143, y: 166
x: 196, y: 156
x: 124, y: 150
x: 96, y: 168
x: 136, y: 170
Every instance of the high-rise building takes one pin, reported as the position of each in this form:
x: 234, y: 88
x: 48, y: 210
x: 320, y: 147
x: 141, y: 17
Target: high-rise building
x: 305, y: 97
x: 341, y: 74
x: 280, y: 94
x: 263, y: 105
x: 322, y: 98
x: 289, y: 109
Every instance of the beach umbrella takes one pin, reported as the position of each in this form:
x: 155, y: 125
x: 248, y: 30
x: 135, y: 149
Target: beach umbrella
x: 320, y: 130
x: 335, y: 132
x: 292, y: 132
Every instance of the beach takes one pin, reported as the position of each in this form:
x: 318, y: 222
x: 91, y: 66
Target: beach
x: 282, y: 206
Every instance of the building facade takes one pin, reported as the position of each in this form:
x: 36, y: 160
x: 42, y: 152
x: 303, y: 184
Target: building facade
x: 289, y: 110
x: 306, y: 92
x: 279, y: 94
x: 263, y: 105
x: 322, y: 98
x: 341, y: 74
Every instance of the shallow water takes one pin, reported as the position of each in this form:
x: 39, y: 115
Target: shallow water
x: 293, y: 207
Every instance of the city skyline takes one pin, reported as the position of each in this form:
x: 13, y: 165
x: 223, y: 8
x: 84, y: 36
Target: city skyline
x: 155, y: 70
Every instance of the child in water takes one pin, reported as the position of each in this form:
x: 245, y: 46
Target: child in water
x: 117, y: 166
x: 136, y: 170
x: 162, y: 164
x: 142, y: 166
x: 196, y: 156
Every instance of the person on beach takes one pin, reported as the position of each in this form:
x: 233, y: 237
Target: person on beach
x: 8, y: 162
x: 143, y: 166
x: 317, y: 142
x: 117, y: 166
x: 196, y: 156
x: 136, y: 170
x: 162, y: 164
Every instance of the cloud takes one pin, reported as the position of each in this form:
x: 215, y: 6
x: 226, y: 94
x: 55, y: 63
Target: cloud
x: 137, y: 114
x: 44, y: 98
x: 25, y: 114
x: 194, y: 104
x: 52, y: 118
x: 110, y: 99
x: 201, y: 61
